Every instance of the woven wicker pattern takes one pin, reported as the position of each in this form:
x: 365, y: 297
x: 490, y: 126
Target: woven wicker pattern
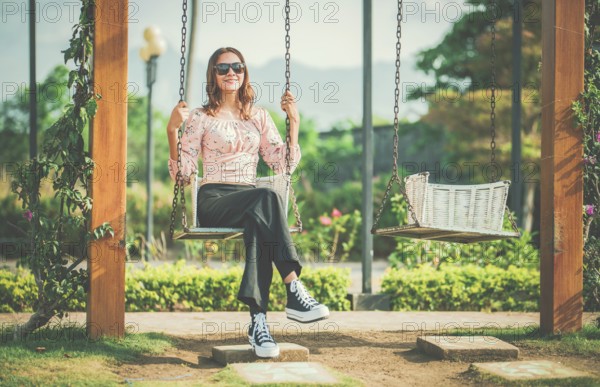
x: 466, y: 207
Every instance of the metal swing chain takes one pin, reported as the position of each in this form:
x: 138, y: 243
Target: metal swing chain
x: 493, y: 111
x: 179, y: 184
x: 395, y: 176
x: 513, y: 223
x: 288, y: 138
x: 493, y: 89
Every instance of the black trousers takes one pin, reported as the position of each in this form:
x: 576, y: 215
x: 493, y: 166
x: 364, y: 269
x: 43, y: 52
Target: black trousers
x: 267, y: 240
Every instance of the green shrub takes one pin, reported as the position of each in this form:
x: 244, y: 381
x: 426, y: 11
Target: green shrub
x: 178, y: 286
x: 464, y: 288
x: 17, y: 291
x: 591, y: 275
x: 347, y: 197
x: 329, y: 285
x: 162, y: 203
x: 519, y: 252
x: 328, y: 239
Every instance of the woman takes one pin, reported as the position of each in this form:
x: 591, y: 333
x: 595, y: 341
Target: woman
x: 228, y: 132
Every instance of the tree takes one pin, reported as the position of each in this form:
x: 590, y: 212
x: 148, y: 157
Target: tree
x: 459, y: 101
x: 137, y: 128
x: 464, y: 53
x: 53, y: 94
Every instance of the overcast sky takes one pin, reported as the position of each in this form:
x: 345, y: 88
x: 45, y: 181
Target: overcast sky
x: 324, y: 34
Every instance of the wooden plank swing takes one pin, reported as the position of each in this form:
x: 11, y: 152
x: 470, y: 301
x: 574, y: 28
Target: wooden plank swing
x: 441, y: 212
x: 279, y: 183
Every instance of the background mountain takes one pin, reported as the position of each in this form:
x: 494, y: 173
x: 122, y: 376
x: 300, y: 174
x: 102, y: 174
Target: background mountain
x: 325, y: 95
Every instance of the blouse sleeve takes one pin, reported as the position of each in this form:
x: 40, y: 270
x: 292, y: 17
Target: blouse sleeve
x: 273, y: 149
x: 191, y: 147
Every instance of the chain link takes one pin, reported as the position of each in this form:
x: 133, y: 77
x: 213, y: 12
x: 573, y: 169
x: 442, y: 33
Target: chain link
x: 395, y: 175
x: 385, y: 198
x: 513, y: 223
x: 174, y: 210
x: 493, y: 5
x: 287, y: 45
x: 287, y: 87
x: 183, y: 49
x: 179, y: 183
x: 288, y: 138
x: 493, y: 177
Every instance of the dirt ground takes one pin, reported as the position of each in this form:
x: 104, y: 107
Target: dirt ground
x: 375, y: 358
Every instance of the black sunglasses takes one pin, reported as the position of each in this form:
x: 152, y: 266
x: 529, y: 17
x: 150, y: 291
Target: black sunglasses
x: 223, y: 68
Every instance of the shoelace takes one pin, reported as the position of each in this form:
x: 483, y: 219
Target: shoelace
x: 261, y: 329
x: 306, y: 299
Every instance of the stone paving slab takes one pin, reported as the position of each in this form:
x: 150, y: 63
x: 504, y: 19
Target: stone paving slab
x: 228, y: 354
x: 288, y: 372
x: 467, y: 348
x: 528, y: 370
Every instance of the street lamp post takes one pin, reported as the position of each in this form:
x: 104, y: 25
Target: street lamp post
x: 154, y: 48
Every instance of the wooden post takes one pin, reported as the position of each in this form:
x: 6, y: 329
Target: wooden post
x: 106, y: 296
x: 561, y: 167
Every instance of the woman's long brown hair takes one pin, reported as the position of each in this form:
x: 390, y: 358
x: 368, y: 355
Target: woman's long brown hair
x: 245, y: 91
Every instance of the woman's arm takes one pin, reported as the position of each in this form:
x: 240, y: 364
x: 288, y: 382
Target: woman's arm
x: 191, y: 141
x: 273, y: 148
x: 288, y: 105
x: 179, y: 115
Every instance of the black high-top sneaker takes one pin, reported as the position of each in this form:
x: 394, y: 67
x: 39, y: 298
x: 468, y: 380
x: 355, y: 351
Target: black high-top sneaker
x: 260, y: 338
x: 301, y: 306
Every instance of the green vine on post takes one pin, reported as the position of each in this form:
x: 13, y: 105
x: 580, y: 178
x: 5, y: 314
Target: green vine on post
x: 57, y: 245
x: 587, y: 113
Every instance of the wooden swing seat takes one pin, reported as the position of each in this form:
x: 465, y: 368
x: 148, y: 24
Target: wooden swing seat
x: 456, y: 234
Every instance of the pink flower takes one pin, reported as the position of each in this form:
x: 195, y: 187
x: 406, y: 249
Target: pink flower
x: 589, y: 209
x: 325, y: 220
x: 598, y: 137
x: 28, y: 215
x: 336, y: 213
x: 589, y: 160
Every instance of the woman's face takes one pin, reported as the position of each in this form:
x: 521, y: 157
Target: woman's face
x: 230, y: 82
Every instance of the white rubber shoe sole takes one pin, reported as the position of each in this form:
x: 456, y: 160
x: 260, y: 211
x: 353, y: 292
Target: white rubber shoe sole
x: 316, y: 314
x: 264, y: 352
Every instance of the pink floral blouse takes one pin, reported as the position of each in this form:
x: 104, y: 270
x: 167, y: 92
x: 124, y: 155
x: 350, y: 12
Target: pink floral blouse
x: 229, y: 148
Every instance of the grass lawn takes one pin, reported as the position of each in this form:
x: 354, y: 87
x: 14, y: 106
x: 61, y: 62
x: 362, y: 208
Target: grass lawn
x: 583, y: 343
x: 70, y: 358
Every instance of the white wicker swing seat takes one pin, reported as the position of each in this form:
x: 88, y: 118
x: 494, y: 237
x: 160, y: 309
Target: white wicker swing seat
x: 453, y: 213
x: 277, y: 182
